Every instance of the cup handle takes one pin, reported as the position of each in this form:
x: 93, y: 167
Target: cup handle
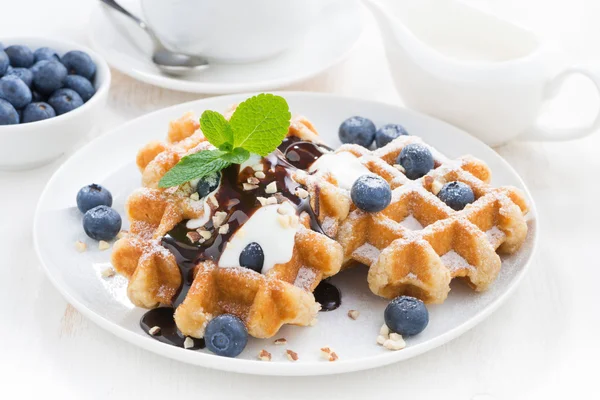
x: 539, y: 132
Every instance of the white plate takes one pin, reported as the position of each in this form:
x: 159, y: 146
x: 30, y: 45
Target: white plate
x: 110, y: 161
x: 330, y: 40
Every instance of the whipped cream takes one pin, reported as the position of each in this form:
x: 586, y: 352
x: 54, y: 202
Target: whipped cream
x: 201, y: 221
x: 344, y: 167
x: 263, y: 227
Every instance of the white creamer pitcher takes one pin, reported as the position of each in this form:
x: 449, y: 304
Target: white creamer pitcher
x: 474, y: 70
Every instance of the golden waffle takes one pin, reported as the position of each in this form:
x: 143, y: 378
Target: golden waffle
x: 263, y: 301
x: 405, y: 258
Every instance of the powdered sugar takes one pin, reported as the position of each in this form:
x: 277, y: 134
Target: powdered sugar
x: 454, y: 261
x: 495, y: 236
x: 410, y: 222
x: 305, y: 278
x: 367, y: 252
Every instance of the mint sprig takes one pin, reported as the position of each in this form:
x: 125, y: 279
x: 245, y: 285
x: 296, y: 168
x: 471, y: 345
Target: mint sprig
x: 258, y: 126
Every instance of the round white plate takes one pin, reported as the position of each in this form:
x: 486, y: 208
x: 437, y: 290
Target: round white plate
x: 330, y: 40
x: 110, y: 161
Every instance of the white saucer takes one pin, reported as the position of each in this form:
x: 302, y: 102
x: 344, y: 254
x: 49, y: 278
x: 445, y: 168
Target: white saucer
x: 110, y: 161
x: 330, y: 40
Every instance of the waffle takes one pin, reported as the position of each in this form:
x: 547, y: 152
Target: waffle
x: 417, y: 244
x: 265, y: 302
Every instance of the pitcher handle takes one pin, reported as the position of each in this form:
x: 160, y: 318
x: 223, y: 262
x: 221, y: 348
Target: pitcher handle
x: 538, y: 132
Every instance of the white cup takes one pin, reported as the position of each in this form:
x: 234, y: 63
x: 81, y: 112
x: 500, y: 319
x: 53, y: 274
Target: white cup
x: 230, y: 31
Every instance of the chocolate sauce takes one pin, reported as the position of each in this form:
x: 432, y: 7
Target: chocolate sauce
x: 169, y: 334
x: 301, y: 154
x: 328, y: 296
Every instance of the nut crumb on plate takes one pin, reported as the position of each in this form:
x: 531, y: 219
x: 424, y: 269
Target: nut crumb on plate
x: 264, y: 355
x: 103, y: 245
x: 188, y: 342
x: 353, y: 314
x: 108, y: 272
x: 155, y: 330
x: 280, y: 341
x: 291, y: 355
x: 80, y: 246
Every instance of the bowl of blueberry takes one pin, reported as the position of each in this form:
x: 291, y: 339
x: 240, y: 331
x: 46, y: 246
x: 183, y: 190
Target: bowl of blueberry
x: 51, y: 94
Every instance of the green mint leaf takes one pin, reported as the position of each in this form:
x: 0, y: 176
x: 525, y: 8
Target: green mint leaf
x: 193, y: 166
x: 216, y: 128
x: 260, y: 123
x: 237, y: 156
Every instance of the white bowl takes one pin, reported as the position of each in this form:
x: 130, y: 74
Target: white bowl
x: 31, y: 145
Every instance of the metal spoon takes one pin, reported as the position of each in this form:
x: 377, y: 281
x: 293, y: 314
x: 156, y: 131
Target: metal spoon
x: 169, y: 62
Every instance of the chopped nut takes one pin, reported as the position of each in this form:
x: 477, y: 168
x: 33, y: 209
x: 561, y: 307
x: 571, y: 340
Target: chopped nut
x: 381, y: 339
x: 171, y: 190
x: 384, y: 331
x: 353, y: 314
x: 300, y: 192
x: 193, y: 236
x: 219, y: 218
x: 213, y: 200
x: 264, y: 355
x: 204, y: 234
x: 155, y: 330
x: 262, y: 200
x: 395, y: 336
x: 122, y: 234
x: 195, y: 196
x: 283, y: 210
x: 271, y: 188
x: 224, y: 229
x: 291, y: 355
x: 258, y: 167
x: 333, y: 356
x: 284, y: 221
x: 436, y: 186
x: 108, y: 272
x: 427, y: 180
x: 80, y: 246
x: 394, y: 344
x: 254, y: 181
x: 280, y: 341
x: 271, y: 200
x: 247, y: 186
x: 260, y: 175
x: 103, y: 245
x: 325, y: 351
x: 400, y: 168
x: 188, y: 342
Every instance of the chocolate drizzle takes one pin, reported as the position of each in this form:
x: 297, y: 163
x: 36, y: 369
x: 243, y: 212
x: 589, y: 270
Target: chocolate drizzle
x: 239, y: 204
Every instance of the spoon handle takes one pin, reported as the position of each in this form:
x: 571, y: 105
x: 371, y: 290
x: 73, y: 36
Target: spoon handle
x: 116, y: 6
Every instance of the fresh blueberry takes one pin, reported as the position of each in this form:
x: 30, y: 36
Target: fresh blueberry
x: 45, y: 53
x: 387, y: 133
x: 36, y: 97
x: 456, y: 195
x: 252, y: 257
x: 102, y: 223
x: 65, y: 100
x: 15, y: 91
x: 19, y: 56
x: 8, y: 114
x: 91, y: 196
x: 357, y: 130
x: 371, y: 193
x: 406, y: 315
x: 48, y: 76
x: 4, y: 63
x: 208, y: 184
x: 226, y: 335
x: 37, y: 112
x: 416, y: 160
x: 81, y: 85
x: 79, y: 63
x: 23, y: 74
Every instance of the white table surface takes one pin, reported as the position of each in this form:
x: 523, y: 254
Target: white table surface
x: 543, y: 343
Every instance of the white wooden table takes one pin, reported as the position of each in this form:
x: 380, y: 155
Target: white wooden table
x: 543, y: 343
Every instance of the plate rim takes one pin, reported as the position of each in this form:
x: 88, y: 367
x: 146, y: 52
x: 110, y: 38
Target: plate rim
x: 280, y: 368
x: 171, y: 83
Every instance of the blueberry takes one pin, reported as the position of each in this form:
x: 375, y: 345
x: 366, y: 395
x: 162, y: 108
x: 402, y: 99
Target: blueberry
x: 371, y: 193
x: 4, y: 63
x: 36, y: 97
x: 15, y: 91
x: 91, y: 196
x: 48, y: 76
x: 416, y: 160
x: 387, y: 133
x: 208, y: 184
x: 79, y: 63
x: 37, y: 112
x: 8, y: 114
x: 456, y: 195
x: 406, y: 315
x: 226, y: 335
x: 45, y: 53
x: 23, y: 74
x: 102, y: 223
x: 19, y: 56
x: 82, y: 86
x: 357, y: 130
x: 252, y: 257
x: 65, y: 100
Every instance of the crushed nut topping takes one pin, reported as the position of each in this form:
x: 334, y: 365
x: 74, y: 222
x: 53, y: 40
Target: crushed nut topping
x: 193, y: 236
x: 300, y: 192
x: 381, y: 339
x: 262, y: 200
x: 260, y: 175
x: 80, y: 246
x: 205, y: 234
x: 219, y: 218
x: 328, y: 354
x: 394, y: 344
x: 436, y: 186
x: 271, y: 200
x: 254, y: 181
x: 264, y: 355
x: 390, y: 340
x: 213, y: 200
x: 353, y: 314
x: 280, y: 341
x: 291, y: 355
x: 108, y: 272
x: 271, y: 188
x: 224, y: 229
x: 258, y: 167
x: 195, y: 196
x: 155, y: 330
x: 103, y: 245
x: 188, y: 343
x: 248, y: 186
